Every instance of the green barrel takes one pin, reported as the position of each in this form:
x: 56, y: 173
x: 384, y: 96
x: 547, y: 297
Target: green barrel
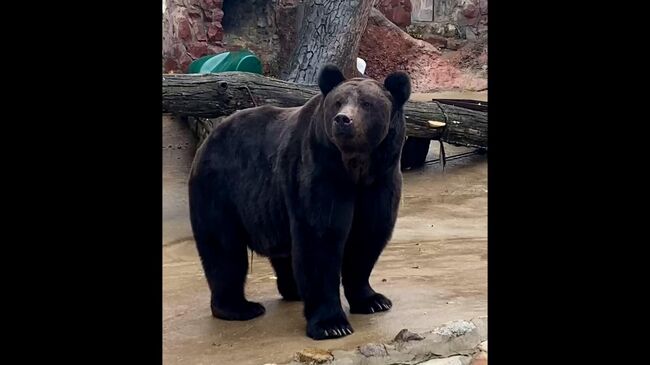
x: 244, y: 61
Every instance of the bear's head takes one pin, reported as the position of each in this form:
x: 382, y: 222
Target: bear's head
x: 358, y: 112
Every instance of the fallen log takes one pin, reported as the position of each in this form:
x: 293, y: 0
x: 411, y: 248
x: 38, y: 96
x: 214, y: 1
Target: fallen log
x: 221, y: 94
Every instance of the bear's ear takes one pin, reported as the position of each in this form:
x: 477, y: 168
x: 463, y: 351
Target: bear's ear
x: 399, y: 85
x: 330, y: 76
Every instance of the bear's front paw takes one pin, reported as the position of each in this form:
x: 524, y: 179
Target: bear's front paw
x: 329, y: 328
x: 371, y: 304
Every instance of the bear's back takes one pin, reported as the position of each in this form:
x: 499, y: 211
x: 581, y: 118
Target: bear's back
x: 238, y: 161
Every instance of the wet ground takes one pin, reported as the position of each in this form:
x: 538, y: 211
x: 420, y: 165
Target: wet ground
x: 434, y: 269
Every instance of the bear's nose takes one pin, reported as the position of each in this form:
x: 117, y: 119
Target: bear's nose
x: 342, y: 119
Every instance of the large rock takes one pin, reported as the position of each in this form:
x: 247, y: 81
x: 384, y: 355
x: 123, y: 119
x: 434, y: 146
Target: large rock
x: 373, y: 349
x: 314, y: 356
x: 191, y: 29
x: 397, y: 11
x: 387, y: 48
x: 470, y: 12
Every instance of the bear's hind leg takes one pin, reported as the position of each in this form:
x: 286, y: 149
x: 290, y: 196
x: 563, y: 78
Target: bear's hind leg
x: 286, y: 282
x: 221, y: 243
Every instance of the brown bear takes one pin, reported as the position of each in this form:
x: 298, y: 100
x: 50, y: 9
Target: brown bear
x: 315, y: 188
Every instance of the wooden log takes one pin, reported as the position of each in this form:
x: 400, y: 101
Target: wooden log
x: 221, y: 94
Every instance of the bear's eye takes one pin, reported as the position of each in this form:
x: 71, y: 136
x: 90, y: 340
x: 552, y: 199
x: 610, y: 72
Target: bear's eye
x: 338, y: 104
x: 365, y: 104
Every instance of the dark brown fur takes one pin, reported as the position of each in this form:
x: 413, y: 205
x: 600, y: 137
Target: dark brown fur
x: 318, y: 197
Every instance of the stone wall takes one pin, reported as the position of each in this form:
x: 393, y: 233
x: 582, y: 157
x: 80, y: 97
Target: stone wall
x: 195, y: 28
x: 191, y: 29
x: 266, y: 27
x: 461, y: 16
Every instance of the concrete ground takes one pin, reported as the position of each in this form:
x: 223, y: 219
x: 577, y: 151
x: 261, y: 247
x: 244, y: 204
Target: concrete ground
x: 434, y: 269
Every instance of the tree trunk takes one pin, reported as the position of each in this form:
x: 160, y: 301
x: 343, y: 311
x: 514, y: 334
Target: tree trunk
x: 330, y: 33
x: 221, y: 94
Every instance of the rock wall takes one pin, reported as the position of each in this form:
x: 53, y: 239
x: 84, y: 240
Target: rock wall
x: 191, y: 29
x: 195, y: 28
x: 386, y: 48
x: 451, y: 18
x: 459, y: 28
x: 266, y: 27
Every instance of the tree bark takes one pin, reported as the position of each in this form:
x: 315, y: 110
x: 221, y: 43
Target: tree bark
x: 330, y: 33
x: 221, y: 94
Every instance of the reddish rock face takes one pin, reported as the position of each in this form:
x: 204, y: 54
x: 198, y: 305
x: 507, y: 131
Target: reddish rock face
x: 386, y: 48
x: 397, y: 11
x: 191, y: 29
x: 195, y: 28
x: 215, y: 33
x: 184, y: 30
x: 197, y: 49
